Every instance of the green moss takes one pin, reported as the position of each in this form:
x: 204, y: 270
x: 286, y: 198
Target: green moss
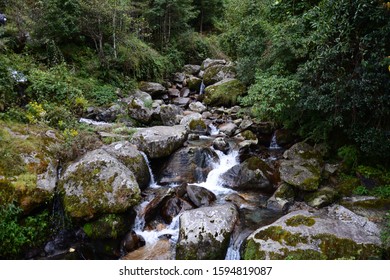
x: 335, y: 248
x: 278, y: 234
x: 248, y: 135
x: 285, y: 191
x: 255, y: 163
x: 197, y: 125
x: 299, y: 255
x: 347, y: 185
x: 311, y: 183
x: 110, y: 226
x: 252, y: 251
x: 299, y: 220
x: 224, y: 94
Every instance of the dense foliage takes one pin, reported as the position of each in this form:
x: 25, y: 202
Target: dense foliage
x: 320, y: 67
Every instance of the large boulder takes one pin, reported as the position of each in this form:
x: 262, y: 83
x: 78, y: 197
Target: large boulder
x: 188, y: 165
x: 208, y: 62
x: 98, y: 184
x: 140, y: 110
x: 28, y: 168
x: 160, y: 141
x: 200, y: 196
x: 191, y: 69
x: 217, y: 73
x: 333, y: 233
x: 224, y: 93
x: 205, y: 232
x: 170, y: 114
x: 154, y: 89
x: 302, y: 167
x: 133, y: 159
x: 252, y: 174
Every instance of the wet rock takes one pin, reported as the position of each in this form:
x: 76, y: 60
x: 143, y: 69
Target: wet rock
x: 160, y: 141
x: 154, y: 206
x: 200, y: 196
x: 132, y: 242
x: 109, y: 226
x: 205, y: 232
x: 161, y: 250
x: 333, y: 233
x: 224, y: 93
x: 221, y: 144
x: 302, y: 167
x: 98, y: 184
x: 188, y: 165
x: 129, y: 155
x: 253, y: 174
x: 173, y: 207
x: 169, y: 114
x: 240, y: 202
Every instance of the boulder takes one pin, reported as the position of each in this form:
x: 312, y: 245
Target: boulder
x: 208, y: 62
x: 110, y: 226
x: 197, y: 107
x: 252, y: 174
x: 188, y: 165
x: 139, y: 110
x: 322, y: 197
x: 220, y: 144
x: 224, y: 93
x: 200, y: 196
x: 160, y: 141
x: 173, y: 93
x: 181, y: 101
x: 132, y: 242
x: 133, y: 159
x: 332, y: 234
x: 194, y: 83
x: 217, y: 73
x: 173, y: 207
x: 228, y: 128
x: 154, y: 89
x: 191, y: 69
x: 178, y: 77
x: 282, y: 198
x: 98, y: 184
x: 302, y: 167
x: 169, y: 114
x: 205, y: 232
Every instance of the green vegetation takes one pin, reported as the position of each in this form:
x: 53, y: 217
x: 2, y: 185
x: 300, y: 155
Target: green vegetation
x: 300, y: 220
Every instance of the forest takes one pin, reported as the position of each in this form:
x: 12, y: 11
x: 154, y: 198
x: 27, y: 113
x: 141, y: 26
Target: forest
x: 317, y: 68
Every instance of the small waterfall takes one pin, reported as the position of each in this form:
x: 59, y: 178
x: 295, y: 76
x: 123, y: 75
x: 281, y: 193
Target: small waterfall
x: 274, y: 145
x: 202, y: 87
x: 152, y: 183
x: 213, y: 130
x: 95, y: 123
x: 213, y: 181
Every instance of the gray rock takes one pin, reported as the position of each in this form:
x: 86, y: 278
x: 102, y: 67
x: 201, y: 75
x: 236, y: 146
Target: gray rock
x: 200, y: 196
x: 221, y: 144
x: 173, y: 93
x: 133, y: 159
x: 217, y: 73
x: 228, y: 128
x: 181, y: 101
x: 160, y: 141
x: 205, y: 232
x: 282, y: 198
x: 208, y: 62
x: 194, y: 83
x: 322, y: 197
x: 333, y: 233
x: 302, y: 167
x: 179, y: 77
x: 98, y: 184
x: 188, y: 165
x: 197, y: 107
x: 138, y: 110
x: 155, y: 89
x: 252, y: 174
x: 169, y: 114
x: 191, y: 69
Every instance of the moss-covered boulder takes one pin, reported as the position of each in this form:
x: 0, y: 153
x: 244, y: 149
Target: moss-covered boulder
x: 28, y: 168
x: 205, y: 232
x: 282, y: 198
x: 110, y: 226
x: 160, y: 141
x: 302, y: 167
x: 140, y: 110
x: 217, y: 73
x: 224, y: 93
x: 252, y: 174
x: 133, y: 159
x: 335, y: 233
x: 154, y: 89
x: 209, y: 62
x: 170, y: 114
x: 322, y: 197
x: 193, y: 83
x: 98, y: 184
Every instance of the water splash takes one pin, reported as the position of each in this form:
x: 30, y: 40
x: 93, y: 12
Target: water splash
x: 152, y: 183
x: 213, y: 181
x: 213, y: 130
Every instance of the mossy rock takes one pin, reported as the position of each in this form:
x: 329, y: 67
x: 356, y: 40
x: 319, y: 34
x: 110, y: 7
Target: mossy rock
x: 248, y: 135
x: 197, y: 126
x: 224, y: 93
x: 194, y: 83
x: 333, y: 234
x: 111, y: 226
x: 321, y: 198
x: 217, y: 73
x: 28, y: 170
x: 98, y: 184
